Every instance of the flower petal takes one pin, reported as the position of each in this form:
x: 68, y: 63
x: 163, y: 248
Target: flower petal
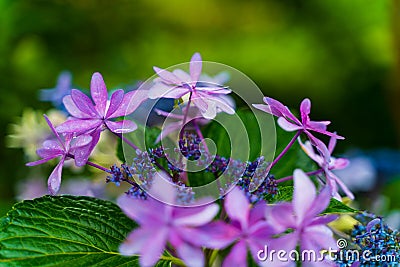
x: 281, y: 216
x: 142, y: 211
x: 195, y: 67
x: 84, y: 103
x: 288, y: 126
x: 54, y: 180
x: 152, y: 250
x: 195, y: 216
x: 99, y: 93
x: 54, y: 131
x: 41, y: 161
x: 323, y: 220
x: 321, y: 202
x: 72, y: 109
x: 82, y: 153
x: 237, y: 206
x: 115, y: 102
x: 78, y: 126
x: 192, y: 256
x: 305, y: 108
x: 167, y: 76
x: 130, y: 103
x: 163, y: 90
x: 237, y: 256
x: 304, y: 194
x: 125, y: 126
x: 135, y: 241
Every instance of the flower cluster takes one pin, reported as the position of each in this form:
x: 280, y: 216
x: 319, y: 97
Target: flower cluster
x: 250, y: 212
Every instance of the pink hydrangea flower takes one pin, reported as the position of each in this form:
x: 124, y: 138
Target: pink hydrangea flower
x: 161, y: 223
x: 289, y: 122
x: 209, y: 98
x: 247, y: 229
x: 93, y: 118
x: 328, y: 164
x: 302, y: 215
x: 58, y: 148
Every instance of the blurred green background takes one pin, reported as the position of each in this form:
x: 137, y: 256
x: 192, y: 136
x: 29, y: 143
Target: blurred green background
x: 342, y: 54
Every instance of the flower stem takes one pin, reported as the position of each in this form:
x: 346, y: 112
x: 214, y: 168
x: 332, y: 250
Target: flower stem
x: 285, y: 150
x: 200, y: 134
x: 186, y: 115
x: 287, y: 178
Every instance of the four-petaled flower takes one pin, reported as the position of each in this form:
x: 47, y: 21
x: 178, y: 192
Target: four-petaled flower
x: 289, y: 122
x: 301, y: 215
x: 161, y: 223
x: 208, y: 97
x: 247, y: 229
x: 328, y: 164
x: 93, y: 118
x: 66, y: 149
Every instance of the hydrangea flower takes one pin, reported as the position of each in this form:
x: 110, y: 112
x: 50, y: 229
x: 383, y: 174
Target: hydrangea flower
x: 161, y: 223
x: 93, y: 118
x: 58, y: 148
x: 62, y: 88
x: 328, y: 164
x: 301, y: 215
x: 247, y: 229
x: 289, y: 122
x: 209, y: 98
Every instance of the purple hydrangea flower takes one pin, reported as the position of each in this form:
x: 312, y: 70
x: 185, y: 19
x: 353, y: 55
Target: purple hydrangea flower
x: 58, y: 148
x: 56, y: 94
x: 289, y: 122
x: 209, y: 98
x: 161, y: 223
x: 328, y: 164
x: 93, y: 118
x: 302, y: 216
x: 247, y: 229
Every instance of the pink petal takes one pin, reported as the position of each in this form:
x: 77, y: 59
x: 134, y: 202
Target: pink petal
x: 50, y: 148
x: 339, y: 163
x: 257, y: 213
x: 78, y: 125
x: 153, y: 248
x: 130, y: 103
x: 237, y: 256
x: 99, y: 93
x: 162, y: 90
x: 135, y: 241
x: 195, y: 67
x: 125, y: 126
x: 54, y: 131
x: 323, y: 220
x: 41, y: 161
x: 276, y: 107
x: 214, y: 90
x: 199, y: 102
x: 72, y: 109
x: 184, y: 77
x: 341, y: 184
x: 309, y: 150
x: 321, y: 202
x: 316, y: 126
x: 167, y: 76
x: 288, y: 126
x: 332, y: 144
x: 84, y: 103
x: 115, y: 102
x: 82, y: 153
x: 281, y: 216
x: 304, y: 194
x: 192, y: 256
x: 237, y: 206
x: 317, y: 237
x: 266, y: 109
x: 54, y: 180
x: 81, y: 140
x: 142, y: 211
x: 195, y: 216
x: 305, y: 108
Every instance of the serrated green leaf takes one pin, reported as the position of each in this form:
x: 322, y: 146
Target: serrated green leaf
x: 65, y: 231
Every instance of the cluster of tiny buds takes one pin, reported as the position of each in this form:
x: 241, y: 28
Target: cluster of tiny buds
x: 189, y: 145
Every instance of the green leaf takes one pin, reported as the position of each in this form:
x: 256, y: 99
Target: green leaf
x: 65, y: 231
x: 335, y: 206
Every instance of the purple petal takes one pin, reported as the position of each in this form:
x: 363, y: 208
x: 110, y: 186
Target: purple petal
x: 82, y: 153
x: 41, y: 161
x: 288, y: 126
x: 115, y: 102
x: 199, y: 102
x: 130, y: 103
x: 278, y: 108
x: 323, y: 220
x: 72, y: 109
x: 304, y: 194
x: 125, y: 126
x: 54, y: 131
x: 195, y: 216
x: 152, y: 250
x: 317, y: 237
x: 339, y: 163
x: 162, y: 90
x: 316, y: 126
x: 237, y: 206
x: 237, y: 256
x: 281, y: 216
x: 81, y: 140
x: 167, y: 129
x: 309, y: 150
x: 99, y: 93
x: 142, y: 211
x: 287, y: 242
x: 341, y: 184
x: 195, y: 67
x: 266, y: 109
x: 332, y: 143
x: 79, y: 125
x: 305, y: 108
x: 49, y: 149
x: 167, y: 76
x: 321, y: 202
x: 372, y: 223
x: 135, y: 241
x: 192, y: 256
x: 84, y: 103
x: 184, y: 77
x: 257, y: 213
x: 54, y: 180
